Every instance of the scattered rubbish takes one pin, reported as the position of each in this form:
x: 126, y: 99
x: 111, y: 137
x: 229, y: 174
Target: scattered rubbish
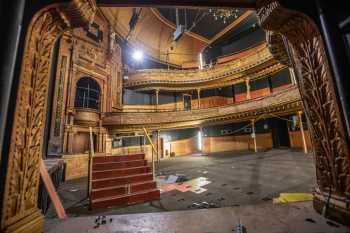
x: 221, y: 199
x: 223, y: 185
x: 111, y: 220
x: 194, y: 185
x: 208, y: 194
x: 266, y: 199
x: 236, y: 188
x: 250, y: 193
x: 171, y: 179
x: 182, y: 199
x: 332, y: 224
x: 292, y: 197
x: 240, y: 228
x: 205, y: 172
x: 73, y: 190
x: 310, y: 220
x: 236, y: 205
x: 203, y: 205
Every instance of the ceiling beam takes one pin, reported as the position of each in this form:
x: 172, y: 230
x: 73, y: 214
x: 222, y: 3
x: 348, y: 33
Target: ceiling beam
x: 178, y: 3
x: 231, y: 25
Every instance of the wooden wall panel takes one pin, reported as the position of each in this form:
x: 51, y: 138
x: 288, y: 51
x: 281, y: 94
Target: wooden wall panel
x: 296, y: 140
x: 260, y: 92
x: 81, y: 143
x: 76, y: 166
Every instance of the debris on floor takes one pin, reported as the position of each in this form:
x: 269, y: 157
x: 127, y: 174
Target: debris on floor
x: 292, y: 197
x: 203, y: 205
x: 194, y: 185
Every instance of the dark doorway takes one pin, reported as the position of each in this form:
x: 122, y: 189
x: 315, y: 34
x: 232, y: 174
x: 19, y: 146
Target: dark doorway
x: 280, y: 135
x: 187, y: 102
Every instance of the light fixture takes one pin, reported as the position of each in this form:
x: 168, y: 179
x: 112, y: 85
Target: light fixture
x: 224, y: 14
x: 137, y: 55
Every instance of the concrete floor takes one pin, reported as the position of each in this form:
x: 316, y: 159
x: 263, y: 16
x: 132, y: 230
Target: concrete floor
x: 262, y: 218
x: 242, y: 187
x: 237, y: 178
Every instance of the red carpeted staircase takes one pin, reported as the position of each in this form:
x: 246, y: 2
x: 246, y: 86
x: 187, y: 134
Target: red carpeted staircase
x: 121, y: 180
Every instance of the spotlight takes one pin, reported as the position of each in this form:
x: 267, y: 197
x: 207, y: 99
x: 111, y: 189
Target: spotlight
x: 137, y: 55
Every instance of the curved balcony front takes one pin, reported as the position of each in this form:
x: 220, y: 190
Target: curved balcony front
x: 257, y: 63
x: 282, y: 102
x: 86, y: 117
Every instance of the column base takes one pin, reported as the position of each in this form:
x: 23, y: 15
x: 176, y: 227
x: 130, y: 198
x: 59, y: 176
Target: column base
x: 338, y: 209
x: 33, y: 223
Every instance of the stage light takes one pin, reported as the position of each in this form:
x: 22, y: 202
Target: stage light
x: 137, y: 55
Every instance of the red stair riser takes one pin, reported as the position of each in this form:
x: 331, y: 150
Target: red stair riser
x: 120, y: 172
x: 127, y: 200
x: 117, y: 158
x: 109, y: 192
x: 121, y: 180
x: 118, y: 165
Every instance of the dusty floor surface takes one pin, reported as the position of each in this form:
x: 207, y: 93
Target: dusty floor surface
x: 236, y: 179
x: 242, y: 186
x: 262, y: 218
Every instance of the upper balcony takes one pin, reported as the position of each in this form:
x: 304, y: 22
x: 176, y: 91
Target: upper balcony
x: 281, y: 102
x: 252, y: 63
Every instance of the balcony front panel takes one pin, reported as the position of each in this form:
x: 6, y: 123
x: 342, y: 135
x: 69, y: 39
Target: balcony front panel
x: 282, y: 102
x: 86, y: 117
x: 256, y: 64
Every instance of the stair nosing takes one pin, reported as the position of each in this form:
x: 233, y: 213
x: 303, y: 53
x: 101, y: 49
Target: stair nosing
x: 121, y: 169
x: 112, y: 178
x: 120, y: 186
x: 123, y: 195
x: 108, y: 162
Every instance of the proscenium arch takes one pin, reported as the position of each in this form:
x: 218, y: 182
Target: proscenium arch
x: 88, y: 93
x: 19, y: 211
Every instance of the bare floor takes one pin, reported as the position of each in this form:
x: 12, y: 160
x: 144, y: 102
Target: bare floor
x: 236, y: 178
x: 239, y: 186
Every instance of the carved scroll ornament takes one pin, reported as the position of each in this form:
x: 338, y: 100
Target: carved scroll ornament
x: 317, y: 92
x: 22, y: 180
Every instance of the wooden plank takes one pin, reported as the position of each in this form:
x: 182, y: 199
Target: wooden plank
x: 52, y: 191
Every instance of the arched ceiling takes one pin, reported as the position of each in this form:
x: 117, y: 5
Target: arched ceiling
x: 154, y: 30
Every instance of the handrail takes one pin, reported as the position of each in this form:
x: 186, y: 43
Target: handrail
x: 153, y: 148
x: 91, y: 155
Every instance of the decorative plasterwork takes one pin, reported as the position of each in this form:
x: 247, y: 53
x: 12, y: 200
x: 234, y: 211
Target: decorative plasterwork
x: 20, y: 212
x: 281, y: 102
x: 319, y: 97
x: 261, y: 62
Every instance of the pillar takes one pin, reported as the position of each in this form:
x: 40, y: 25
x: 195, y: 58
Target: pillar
x: 302, y: 131
x: 158, y: 146
x: 248, y: 88
x: 292, y: 76
x: 70, y: 141
x: 199, y: 98
x: 157, y: 99
x: 254, y: 135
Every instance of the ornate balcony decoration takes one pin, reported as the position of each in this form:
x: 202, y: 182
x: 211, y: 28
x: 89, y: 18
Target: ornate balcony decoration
x: 259, y: 63
x: 86, y: 117
x: 279, y: 103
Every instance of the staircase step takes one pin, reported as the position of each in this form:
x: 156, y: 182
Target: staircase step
x: 114, y: 181
x: 133, y: 198
x: 122, y: 189
x: 120, y: 172
x: 116, y: 165
x: 117, y: 158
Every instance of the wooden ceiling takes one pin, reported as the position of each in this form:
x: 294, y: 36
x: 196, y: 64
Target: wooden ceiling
x: 154, y: 32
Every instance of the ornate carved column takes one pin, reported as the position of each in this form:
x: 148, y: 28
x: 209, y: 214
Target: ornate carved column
x: 306, y: 49
x: 20, y: 212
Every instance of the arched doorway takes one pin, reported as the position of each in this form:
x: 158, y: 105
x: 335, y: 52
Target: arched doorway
x: 300, y: 36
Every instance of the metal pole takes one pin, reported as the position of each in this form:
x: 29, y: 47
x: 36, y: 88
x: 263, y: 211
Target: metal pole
x: 302, y: 131
x: 254, y: 135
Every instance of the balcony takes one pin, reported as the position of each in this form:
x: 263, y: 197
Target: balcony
x: 281, y: 102
x: 86, y: 117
